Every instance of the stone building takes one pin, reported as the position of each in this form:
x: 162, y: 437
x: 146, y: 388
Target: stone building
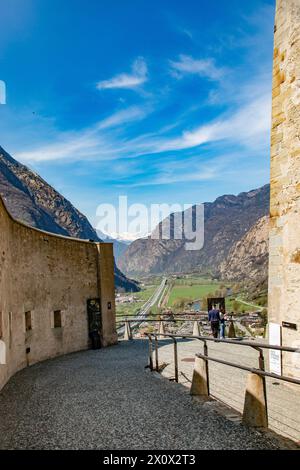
x: 284, y: 262
x: 54, y: 291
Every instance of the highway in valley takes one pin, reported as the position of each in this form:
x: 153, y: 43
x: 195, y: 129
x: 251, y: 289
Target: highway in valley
x: 142, y: 314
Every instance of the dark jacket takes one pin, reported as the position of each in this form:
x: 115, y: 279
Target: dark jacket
x: 214, y: 315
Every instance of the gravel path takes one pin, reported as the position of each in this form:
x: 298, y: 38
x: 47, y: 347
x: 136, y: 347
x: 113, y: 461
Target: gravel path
x: 228, y: 383
x: 106, y: 399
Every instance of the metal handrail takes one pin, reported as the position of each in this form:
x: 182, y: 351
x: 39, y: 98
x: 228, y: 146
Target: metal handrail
x: 150, y: 335
x: 285, y: 378
x: 238, y: 343
x: 194, y: 315
x: 152, y: 320
x: 145, y: 319
x: 259, y: 346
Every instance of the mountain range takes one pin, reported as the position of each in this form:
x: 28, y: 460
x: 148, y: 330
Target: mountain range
x: 33, y: 201
x: 235, y: 230
x: 235, y: 242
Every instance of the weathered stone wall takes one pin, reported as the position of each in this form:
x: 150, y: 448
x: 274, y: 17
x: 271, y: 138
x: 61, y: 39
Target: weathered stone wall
x: 41, y: 273
x: 284, y: 263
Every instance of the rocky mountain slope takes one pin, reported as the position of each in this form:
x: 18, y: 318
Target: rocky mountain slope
x: 227, y: 220
x: 32, y: 200
x: 249, y: 255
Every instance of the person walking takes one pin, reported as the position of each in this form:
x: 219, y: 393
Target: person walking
x: 214, y: 319
x: 222, y: 323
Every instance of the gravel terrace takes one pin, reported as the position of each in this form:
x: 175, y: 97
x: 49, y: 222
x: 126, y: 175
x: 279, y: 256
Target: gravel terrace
x: 106, y: 399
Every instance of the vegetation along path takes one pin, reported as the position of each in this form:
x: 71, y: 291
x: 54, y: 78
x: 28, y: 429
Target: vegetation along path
x: 106, y: 399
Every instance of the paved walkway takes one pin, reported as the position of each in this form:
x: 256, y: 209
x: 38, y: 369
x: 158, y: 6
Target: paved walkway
x: 106, y: 399
x: 228, y: 383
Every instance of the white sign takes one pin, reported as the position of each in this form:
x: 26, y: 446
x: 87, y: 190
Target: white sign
x: 2, y: 352
x: 275, y: 355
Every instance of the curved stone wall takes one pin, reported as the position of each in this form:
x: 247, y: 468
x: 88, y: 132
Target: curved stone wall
x: 45, y: 283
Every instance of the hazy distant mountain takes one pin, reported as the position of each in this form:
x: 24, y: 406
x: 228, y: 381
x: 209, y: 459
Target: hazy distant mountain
x: 120, y: 246
x: 32, y: 200
x: 227, y: 221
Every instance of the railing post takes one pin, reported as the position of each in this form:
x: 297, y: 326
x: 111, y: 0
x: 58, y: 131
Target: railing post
x: 255, y: 405
x: 150, y: 352
x: 161, y: 329
x: 175, y: 359
x: 200, y: 381
x: 196, y: 328
x: 127, y: 331
x: 231, y: 330
x: 156, y: 353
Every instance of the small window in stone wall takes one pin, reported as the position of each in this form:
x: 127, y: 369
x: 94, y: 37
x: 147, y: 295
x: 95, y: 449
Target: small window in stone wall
x: 1, y: 325
x: 28, y: 322
x: 57, y: 318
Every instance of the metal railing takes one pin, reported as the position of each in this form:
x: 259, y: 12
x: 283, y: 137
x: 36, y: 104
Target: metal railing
x: 255, y: 411
x: 130, y: 324
x: 258, y: 346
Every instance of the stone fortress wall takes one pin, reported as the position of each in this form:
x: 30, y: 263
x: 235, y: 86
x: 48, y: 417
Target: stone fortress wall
x: 45, y: 283
x: 284, y: 263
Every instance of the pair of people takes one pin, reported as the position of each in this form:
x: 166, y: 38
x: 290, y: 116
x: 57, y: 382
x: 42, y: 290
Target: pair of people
x: 217, y: 319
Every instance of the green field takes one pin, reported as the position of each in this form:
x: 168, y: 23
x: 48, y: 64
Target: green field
x: 192, y: 292
x: 133, y: 307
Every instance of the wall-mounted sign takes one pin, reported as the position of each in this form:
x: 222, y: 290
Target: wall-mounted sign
x: 291, y: 326
x: 274, y: 354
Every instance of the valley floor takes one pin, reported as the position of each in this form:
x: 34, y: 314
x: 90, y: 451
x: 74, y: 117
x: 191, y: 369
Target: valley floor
x: 106, y: 399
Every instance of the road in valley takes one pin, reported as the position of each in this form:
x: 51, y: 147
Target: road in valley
x: 259, y: 307
x: 142, y: 314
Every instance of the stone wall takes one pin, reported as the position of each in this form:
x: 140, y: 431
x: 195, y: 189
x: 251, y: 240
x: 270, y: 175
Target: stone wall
x: 41, y: 273
x: 284, y: 263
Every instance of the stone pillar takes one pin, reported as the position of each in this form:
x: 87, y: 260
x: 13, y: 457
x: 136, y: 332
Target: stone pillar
x: 200, y: 384
x: 231, y: 330
x: 161, y: 330
x: 284, y: 242
x: 127, y: 331
x: 196, y: 329
x: 106, y: 285
x: 255, y: 405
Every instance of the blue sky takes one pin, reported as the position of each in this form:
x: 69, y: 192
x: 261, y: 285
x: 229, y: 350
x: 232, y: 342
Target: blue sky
x: 165, y: 101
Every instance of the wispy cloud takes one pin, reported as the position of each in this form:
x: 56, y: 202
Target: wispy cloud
x: 94, y: 142
x: 205, y: 68
x: 138, y: 76
x: 247, y: 124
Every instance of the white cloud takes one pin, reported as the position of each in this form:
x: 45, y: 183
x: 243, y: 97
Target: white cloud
x: 138, y: 76
x: 96, y: 141
x: 127, y: 115
x: 246, y: 123
x: 249, y: 125
x: 203, y: 67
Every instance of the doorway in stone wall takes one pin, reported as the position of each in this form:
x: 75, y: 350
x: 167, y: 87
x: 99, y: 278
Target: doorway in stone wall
x: 94, y: 322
